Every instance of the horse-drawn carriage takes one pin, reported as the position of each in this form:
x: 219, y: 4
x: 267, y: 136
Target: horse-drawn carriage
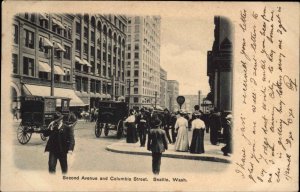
x: 111, y: 115
x: 37, y: 113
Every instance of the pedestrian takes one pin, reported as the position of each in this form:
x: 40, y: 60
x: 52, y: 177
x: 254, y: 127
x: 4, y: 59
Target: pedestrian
x: 173, y: 120
x: 157, y: 143
x: 215, y: 126
x: 181, y: 127
x: 60, y: 143
x: 227, y: 135
x: 142, y: 126
x: 166, y: 123
x: 198, y: 126
x: 131, y: 127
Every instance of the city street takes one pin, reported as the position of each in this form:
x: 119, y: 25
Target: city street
x: 90, y: 155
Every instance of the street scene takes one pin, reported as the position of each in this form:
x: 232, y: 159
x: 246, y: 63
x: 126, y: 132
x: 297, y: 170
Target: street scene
x: 90, y: 89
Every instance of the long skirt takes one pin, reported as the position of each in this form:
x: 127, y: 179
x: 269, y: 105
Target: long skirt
x: 197, y: 145
x: 131, y: 133
x: 182, y: 141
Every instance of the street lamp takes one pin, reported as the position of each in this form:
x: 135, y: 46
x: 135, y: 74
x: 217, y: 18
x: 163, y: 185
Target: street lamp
x: 129, y: 86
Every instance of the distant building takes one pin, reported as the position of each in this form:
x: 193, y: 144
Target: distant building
x: 163, y: 89
x: 173, y: 92
x: 219, y: 65
x: 143, y: 61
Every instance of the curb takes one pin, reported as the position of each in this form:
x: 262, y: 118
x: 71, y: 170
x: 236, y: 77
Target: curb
x: 176, y: 156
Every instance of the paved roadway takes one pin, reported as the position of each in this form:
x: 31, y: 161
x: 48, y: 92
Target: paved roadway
x: 90, y: 155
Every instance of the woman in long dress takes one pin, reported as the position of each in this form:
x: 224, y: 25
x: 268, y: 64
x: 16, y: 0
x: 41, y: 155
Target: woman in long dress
x: 181, y: 127
x: 131, y: 128
x: 198, y: 126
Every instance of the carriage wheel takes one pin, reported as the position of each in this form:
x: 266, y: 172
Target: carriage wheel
x: 43, y: 137
x: 23, y: 135
x: 106, y: 129
x: 120, y: 129
x: 98, y: 129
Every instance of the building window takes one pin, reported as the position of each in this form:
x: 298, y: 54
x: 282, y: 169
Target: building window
x: 136, y: 37
x: 28, y: 66
x: 136, y: 91
x: 78, y: 45
x: 137, y: 28
x: 32, y: 18
x: 136, y: 55
x: 78, y: 28
x: 136, y: 82
x: 77, y: 66
x: 135, y: 99
x: 128, y: 73
x: 16, y: 34
x: 57, y: 54
x: 67, y: 53
x: 85, y: 84
x: 136, y: 47
x: 92, y: 86
x: 26, y: 16
x: 104, y: 56
x: 43, y: 75
x: 85, y: 48
x: 128, y: 56
x: 15, y: 63
x: 93, y: 36
x: 92, y: 51
x: 86, y: 32
x: 129, y: 47
x: 67, y: 76
x: 98, y: 54
x: 136, y: 73
x: 29, y: 39
x: 78, y: 83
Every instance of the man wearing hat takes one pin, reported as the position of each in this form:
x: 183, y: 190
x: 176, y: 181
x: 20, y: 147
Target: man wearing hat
x: 157, y: 143
x: 227, y: 134
x: 142, y: 126
x: 60, y: 143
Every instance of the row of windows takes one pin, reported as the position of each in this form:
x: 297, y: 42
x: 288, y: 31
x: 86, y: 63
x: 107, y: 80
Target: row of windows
x: 29, y: 42
x: 28, y: 69
x: 57, y: 27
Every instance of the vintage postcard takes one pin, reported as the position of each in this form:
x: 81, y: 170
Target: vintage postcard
x: 149, y: 96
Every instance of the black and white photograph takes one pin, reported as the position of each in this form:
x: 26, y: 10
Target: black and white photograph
x: 138, y: 99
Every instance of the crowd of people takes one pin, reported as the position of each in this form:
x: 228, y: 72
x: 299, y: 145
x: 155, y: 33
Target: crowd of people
x: 176, y: 127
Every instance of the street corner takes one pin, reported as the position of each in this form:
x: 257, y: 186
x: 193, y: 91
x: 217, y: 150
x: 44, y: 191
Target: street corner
x: 211, y: 154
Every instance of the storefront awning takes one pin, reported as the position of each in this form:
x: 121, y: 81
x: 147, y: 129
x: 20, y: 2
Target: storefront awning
x: 44, y: 67
x: 58, y: 70
x: 59, y: 92
x: 47, y: 42
x: 59, y: 47
x: 58, y: 23
x: 77, y: 59
x: 86, y: 63
x: 44, y: 16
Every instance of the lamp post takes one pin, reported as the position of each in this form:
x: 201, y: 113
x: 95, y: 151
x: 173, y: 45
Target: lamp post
x: 52, y: 70
x: 155, y: 99
x: 129, y: 95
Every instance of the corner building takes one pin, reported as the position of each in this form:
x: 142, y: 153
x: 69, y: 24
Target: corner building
x: 99, y: 57
x: 143, y: 61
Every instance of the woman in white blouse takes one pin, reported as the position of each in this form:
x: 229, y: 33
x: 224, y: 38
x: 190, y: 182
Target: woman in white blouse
x: 198, y: 126
x: 182, y: 141
x: 131, y: 128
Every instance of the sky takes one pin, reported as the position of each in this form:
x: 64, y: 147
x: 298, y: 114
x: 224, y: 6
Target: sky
x: 184, y: 45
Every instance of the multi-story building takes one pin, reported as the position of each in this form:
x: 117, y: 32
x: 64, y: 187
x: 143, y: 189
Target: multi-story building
x: 173, y: 92
x: 143, y: 60
x: 219, y: 66
x: 163, y: 88
x: 88, y: 56
x: 38, y: 41
x: 99, y: 57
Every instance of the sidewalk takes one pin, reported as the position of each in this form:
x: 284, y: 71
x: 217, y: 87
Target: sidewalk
x: 212, y: 152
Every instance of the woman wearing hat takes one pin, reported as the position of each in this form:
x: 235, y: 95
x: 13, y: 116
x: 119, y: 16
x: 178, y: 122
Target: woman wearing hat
x: 198, y: 126
x: 61, y: 142
x: 182, y: 141
x: 131, y: 128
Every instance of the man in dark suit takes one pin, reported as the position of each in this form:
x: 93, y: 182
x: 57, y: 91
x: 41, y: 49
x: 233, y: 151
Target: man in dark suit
x: 61, y: 142
x: 142, y: 126
x: 157, y: 143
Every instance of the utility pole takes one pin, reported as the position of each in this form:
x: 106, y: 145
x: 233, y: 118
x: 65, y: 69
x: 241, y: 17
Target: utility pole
x: 129, y: 91
x: 199, y: 97
x: 155, y: 98
x: 52, y: 71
